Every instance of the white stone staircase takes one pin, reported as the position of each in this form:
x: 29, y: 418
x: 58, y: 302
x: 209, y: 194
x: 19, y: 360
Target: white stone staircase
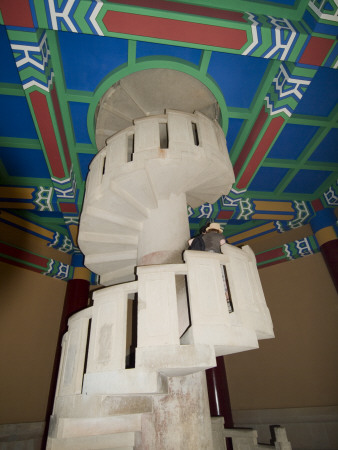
x: 140, y: 182
x: 101, y: 404
x: 156, y: 158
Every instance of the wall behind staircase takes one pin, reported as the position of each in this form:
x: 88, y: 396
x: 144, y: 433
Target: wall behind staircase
x: 292, y: 380
x: 30, y: 311
x: 299, y: 367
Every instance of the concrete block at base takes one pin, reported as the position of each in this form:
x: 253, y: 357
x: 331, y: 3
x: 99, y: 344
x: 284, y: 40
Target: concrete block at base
x: 217, y: 428
x: 176, y: 360
x: 129, y: 381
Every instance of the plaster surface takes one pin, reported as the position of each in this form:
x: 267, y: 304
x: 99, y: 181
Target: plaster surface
x: 181, y: 419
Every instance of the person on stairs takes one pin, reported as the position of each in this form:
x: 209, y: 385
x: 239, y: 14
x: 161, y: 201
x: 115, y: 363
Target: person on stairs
x: 209, y: 240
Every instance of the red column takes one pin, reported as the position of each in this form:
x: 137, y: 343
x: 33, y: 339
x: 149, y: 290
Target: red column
x: 324, y: 227
x: 330, y: 254
x: 76, y: 298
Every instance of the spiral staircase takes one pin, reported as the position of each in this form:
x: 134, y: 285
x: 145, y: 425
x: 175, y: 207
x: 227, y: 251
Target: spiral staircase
x: 133, y: 230
x: 159, y: 157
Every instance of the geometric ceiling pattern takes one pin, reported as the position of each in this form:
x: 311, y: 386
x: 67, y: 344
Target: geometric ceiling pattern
x: 271, y: 65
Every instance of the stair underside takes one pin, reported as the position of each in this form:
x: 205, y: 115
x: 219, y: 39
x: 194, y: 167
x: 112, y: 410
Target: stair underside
x: 114, y: 213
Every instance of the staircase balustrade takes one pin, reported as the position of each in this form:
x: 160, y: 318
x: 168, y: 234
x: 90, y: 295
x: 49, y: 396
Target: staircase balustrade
x: 158, y: 158
x: 95, y: 343
x: 190, y: 140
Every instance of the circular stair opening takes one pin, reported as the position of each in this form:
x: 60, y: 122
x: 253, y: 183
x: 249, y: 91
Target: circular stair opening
x: 150, y: 92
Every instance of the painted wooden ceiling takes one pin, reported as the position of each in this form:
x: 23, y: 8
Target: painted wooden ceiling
x: 270, y: 64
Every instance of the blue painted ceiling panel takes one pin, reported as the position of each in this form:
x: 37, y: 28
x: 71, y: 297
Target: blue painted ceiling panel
x: 8, y: 72
x: 292, y: 141
x: 327, y: 150
x: 233, y: 129
x: 82, y: 72
x: 267, y: 179
x: 237, y: 76
x: 16, y: 119
x: 79, y: 113
x: 322, y: 94
x: 16, y: 161
x: 84, y: 161
x: 307, y: 181
x: 150, y: 49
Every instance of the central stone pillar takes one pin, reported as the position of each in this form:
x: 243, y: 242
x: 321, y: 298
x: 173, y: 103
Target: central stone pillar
x: 181, y: 418
x: 163, y: 239
x: 165, y: 232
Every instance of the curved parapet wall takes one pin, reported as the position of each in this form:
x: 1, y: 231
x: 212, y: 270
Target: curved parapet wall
x: 214, y: 330
x: 158, y: 157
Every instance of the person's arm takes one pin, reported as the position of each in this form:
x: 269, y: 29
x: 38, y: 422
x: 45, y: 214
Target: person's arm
x: 223, y: 241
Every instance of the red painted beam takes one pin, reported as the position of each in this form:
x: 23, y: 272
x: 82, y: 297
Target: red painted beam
x: 23, y: 255
x: 19, y: 264
x: 185, y: 8
x: 68, y: 207
x: 61, y: 127
x: 270, y: 254
x: 261, y: 150
x: 175, y: 30
x: 16, y: 13
x: 317, y: 205
x: 258, y: 125
x: 225, y: 215
x: 316, y: 50
x: 45, y: 124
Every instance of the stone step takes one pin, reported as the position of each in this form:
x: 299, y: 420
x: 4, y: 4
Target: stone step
x: 133, y: 178
x: 116, y: 116
x: 113, y: 198
x: 171, y: 174
x: 208, y: 197
x: 176, y: 360
x: 193, y: 201
x: 217, y: 184
x: 130, y: 205
x: 93, y: 218
x: 121, y: 275
x: 93, y: 242
x: 125, y: 382
x: 102, y: 263
x: 117, y: 441
x: 124, y: 425
x: 87, y: 406
x: 124, y: 255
